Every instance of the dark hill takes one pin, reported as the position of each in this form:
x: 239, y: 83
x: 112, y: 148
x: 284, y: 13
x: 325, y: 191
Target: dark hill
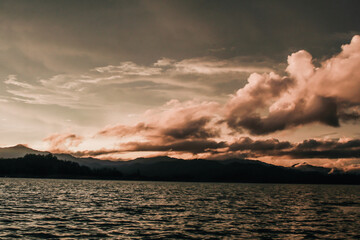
x: 230, y: 171
x: 49, y: 166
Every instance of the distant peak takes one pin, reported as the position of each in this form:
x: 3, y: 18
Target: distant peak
x: 21, y: 146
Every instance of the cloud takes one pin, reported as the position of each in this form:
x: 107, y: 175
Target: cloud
x: 187, y: 120
x: 130, y: 68
x: 192, y: 66
x: 192, y: 147
x: 328, y: 154
x: 123, y: 130
x: 186, y: 127
x: 307, y: 149
x: 328, y: 94
x: 322, y: 148
x: 195, y: 128
x: 339, y: 77
x: 129, y: 82
x: 319, y: 152
x: 188, y: 146
x: 62, y: 142
x: 210, y: 66
x: 340, y: 153
x: 94, y: 153
x: 61, y: 90
x: 268, y: 102
x: 174, y: 121
x: 348, y: 165
x: 242, y: 109
x: 246, y: 143
x: 12, y: 80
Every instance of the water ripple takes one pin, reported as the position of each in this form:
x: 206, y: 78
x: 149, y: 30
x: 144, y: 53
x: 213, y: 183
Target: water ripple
x: 84, y: 209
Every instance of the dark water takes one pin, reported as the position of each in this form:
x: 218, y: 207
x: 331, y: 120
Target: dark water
x: 82, y: 209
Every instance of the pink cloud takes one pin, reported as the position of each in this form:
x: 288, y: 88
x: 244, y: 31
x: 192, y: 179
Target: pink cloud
x: 327, y: 94
x: 61, y: 142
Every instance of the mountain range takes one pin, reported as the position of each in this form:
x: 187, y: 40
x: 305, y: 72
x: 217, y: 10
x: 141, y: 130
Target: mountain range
x: 167, y: 168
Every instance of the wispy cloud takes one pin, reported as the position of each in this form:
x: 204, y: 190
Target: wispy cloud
x: 130, y: 68
x: 62, y: 142
x: 168, y: 78
x: 12, y: 80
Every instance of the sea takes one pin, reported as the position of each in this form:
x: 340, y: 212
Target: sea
x: 95, y: 209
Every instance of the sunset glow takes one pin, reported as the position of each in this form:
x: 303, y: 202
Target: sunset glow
x: 139, y: 79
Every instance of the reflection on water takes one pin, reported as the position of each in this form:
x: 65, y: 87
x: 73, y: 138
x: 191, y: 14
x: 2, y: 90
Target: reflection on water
x: 87, y: 209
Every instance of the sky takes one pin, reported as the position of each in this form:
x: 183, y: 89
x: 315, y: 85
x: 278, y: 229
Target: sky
x: 277, y: 81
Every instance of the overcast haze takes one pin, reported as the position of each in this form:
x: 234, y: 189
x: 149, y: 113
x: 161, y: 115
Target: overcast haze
x: 277, y: 81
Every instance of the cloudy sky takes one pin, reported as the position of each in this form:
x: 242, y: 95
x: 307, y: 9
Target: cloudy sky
x: 277, y: 81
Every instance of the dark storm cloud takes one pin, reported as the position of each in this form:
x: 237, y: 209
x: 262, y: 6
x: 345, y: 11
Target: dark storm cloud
x: 188, y: 146
x: 323, y: 110
x: 313, y: 144
x: 184, y: 146
x: 191, y: 129
x: 247, y: 143
x: 179, y: 127
x: 310, y: 148
x: 331, y: 149
x: 123, y: 130
x: 94, y: 153
x: 349, y: 112
x: 178, y: 121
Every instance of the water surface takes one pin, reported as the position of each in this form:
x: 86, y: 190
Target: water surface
x: 90, y: 209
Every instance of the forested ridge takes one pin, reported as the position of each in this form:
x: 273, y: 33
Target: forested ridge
x: 32, y: 165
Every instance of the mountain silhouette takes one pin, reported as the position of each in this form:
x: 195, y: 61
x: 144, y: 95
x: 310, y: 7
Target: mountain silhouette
x: 168, y: 169
x: 49, y: 166
x: 19, y: 150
